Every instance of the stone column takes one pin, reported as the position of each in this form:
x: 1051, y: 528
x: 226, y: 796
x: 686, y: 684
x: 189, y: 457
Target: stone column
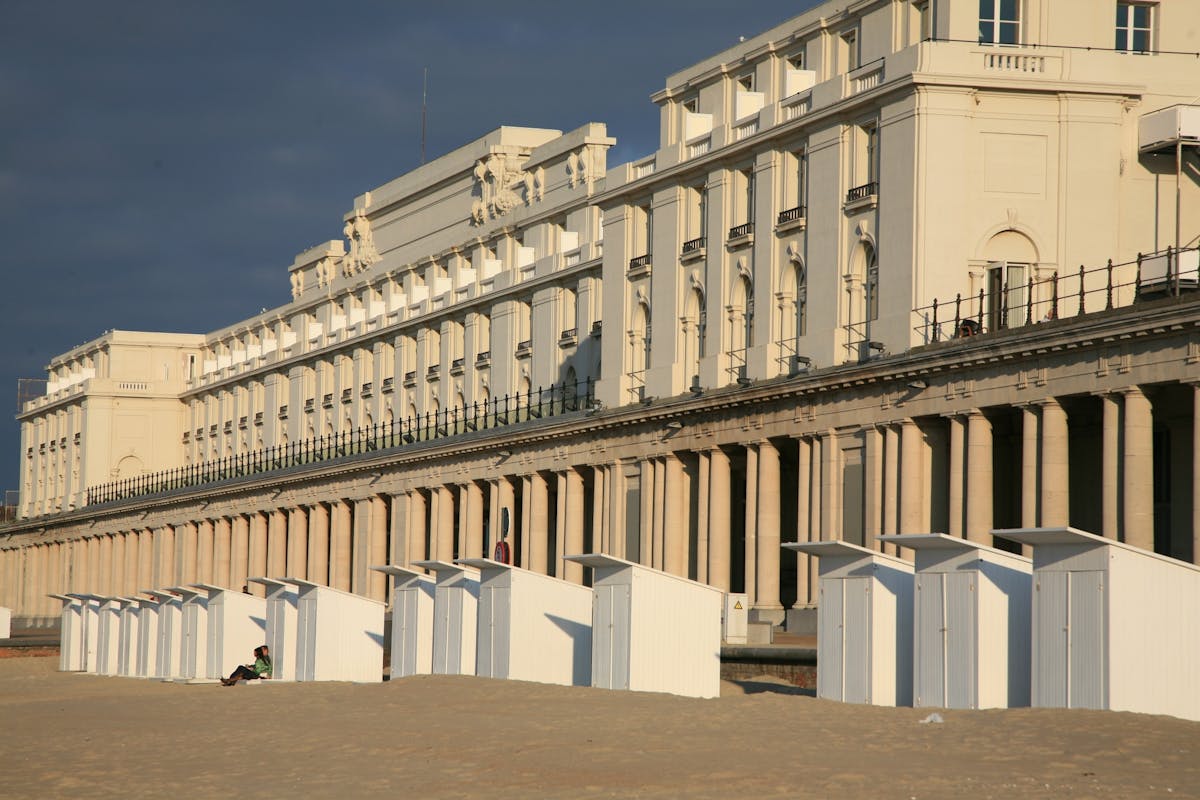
x: 104, y: 579
x: 675, y: 522
x: 318, y: 544
x: 539, y: 528
x: 1055, y: 461
x: 1029, y: 467
x: 418, y: 533
x: 297, y: 536
x: 258, y: 551
x: 891, y: 488
x: 222, y: 545
x: 239, y: 558
x: 168, y: 574
x: 360, y: 544
x: 146, y: 576
x: 912, y: 485
x: 599, y: 526
x: 339, y: 545
x: 133, y: 555
x: 702, y: 502
x: 957, y: 477
x: 872, y: 487
x: 718, y: 519
x: 277, y: 545
x: 377, y: 549
x: 660, y: 514
x: 751, y: 550
x: 979, y: 478
x: 445, y: 524
x: 205, y: 543
x: 803, y: 516
x: 1139, y: 469
x: 189, y: 544
x: 560, y: 524
x: 573, y: 539
x: 831, y: 486
x: 767, y: 567
x: 645, y: 554
x: 1110, y: 459
x: 473, y: 530
x: 117, y: 581
x: 504, y: 493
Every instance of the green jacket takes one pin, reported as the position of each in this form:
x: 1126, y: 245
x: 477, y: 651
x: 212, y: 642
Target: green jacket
x: 262, y: 666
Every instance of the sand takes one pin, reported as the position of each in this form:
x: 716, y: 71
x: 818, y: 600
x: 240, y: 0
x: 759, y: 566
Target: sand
x: 82, y: 735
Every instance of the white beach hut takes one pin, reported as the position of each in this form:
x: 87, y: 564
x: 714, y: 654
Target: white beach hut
x: 652, y: 631
x: 108, y: 635
x: 339, y: 635
x: 70, y: 641
x: 5, y: 622
x: 127, y: 638
x: 169, y: 641
x: 147, y: 641
x: 864, y: 624
x: 280, y: 635
x: 89, y: 629
x: 970, y: 623
x: 412, y: 621
x: 455, y: 617
x: 237, y: 623
x: 1114, y: 626
x: 532, y: 627
x: 193, y: 644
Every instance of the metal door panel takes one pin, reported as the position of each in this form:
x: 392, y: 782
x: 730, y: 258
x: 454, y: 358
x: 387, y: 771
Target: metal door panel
x: 1050, y: 639
x: 930, y: 657
x: 829, y: 640
x: 1087, y: 663
x: 961, y: 669
x: 856, y: 638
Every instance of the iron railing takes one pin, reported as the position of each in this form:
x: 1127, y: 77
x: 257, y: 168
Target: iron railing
x: 738, y: 231
x: 639, y: 262
x: 862, y: 192
x: 693, y: 245
x: 791, y: 215
x: 1164, y: 273
x: 504, y: 411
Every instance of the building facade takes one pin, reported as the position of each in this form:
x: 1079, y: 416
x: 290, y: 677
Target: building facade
x: 895, y: 267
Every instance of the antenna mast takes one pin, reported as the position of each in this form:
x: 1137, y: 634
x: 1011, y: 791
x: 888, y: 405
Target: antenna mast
x: 424, y: 94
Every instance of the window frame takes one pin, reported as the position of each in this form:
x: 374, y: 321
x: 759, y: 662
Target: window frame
x: 998, y: 23
x: 1128, y: 28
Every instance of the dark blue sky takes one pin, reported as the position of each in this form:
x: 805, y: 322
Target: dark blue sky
x: 162, y: 162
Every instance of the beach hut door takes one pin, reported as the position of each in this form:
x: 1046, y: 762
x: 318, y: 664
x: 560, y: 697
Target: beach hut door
x: 1069, y: 641
x: 611, y: 632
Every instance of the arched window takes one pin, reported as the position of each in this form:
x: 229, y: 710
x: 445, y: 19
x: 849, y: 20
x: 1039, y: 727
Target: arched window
x: 695, y: 324
x: 741, y: 325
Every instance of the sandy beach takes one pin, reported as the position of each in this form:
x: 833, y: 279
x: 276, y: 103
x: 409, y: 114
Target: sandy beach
x: 82, y: 735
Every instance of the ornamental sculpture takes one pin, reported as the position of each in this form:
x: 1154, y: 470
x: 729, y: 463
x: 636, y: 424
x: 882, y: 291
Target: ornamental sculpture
x: 361, y: 253
x: 497, y: 179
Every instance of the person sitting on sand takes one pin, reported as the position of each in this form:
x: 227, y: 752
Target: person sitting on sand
x: 261, y: 668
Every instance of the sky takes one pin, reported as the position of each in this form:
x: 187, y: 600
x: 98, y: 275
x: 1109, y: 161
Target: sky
x: 161, y: 163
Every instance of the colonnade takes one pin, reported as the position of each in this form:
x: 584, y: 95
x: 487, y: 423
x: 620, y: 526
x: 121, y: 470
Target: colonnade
x: 716, y: 513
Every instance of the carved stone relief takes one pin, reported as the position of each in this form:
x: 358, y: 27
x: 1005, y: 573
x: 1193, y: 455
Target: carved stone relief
x: 497, y: 179
x: 361, y: 253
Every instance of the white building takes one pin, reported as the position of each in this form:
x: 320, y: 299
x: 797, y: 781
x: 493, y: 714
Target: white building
x: 644, y: 360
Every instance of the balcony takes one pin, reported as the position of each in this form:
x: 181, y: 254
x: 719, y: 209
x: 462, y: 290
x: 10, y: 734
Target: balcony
x: 525, y: 348
x: 212, y: 430
x: 433, y: 372
x: 199, y: 433
x: 740, y: 235
x: 309, y: 405
x: 243, y: 423
x: 639, y: 266
x: 791, y: 219
x: 228, y: 426
x: 387, y: 385
x: 862, y: 192
x: 597, y: 326
x: 456, y: 366
x: 483, y: 359
x: 258, y: 418
x: 347, y: 395
x: 410, y: 378
x: 366, y: 389
x: 568, y: 338
x: 692, y: 249
x: 283, y: 412
x: 327, y: 401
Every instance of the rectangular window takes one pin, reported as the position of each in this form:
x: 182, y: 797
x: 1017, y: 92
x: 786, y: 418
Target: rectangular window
x: 999, y: 22
x: 1134, y: 27
x: 850, y: 50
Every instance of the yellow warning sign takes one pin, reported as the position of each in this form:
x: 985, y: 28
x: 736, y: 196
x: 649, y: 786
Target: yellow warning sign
x: 738, y: 605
